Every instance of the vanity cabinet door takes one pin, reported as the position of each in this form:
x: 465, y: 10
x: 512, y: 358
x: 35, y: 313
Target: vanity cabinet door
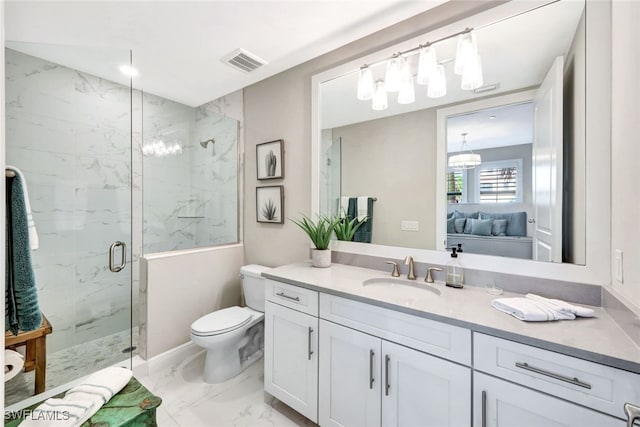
x: 422, y: 390
x: 291, y: 358
x: 504, y: 404
x: 350, y: 379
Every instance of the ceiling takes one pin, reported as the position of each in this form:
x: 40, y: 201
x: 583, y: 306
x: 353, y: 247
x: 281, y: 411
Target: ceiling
x: 178, y: 45
x: 492, y: 127
x: 516, y: 53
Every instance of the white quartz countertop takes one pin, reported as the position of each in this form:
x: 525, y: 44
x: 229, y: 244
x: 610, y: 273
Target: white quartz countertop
x: 598, y: 339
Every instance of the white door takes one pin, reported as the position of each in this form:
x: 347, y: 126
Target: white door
x: 350, y: 380
x: 508, y: 405
x: 422, y: 390
x: 547, y: 166
x: 291, y: 358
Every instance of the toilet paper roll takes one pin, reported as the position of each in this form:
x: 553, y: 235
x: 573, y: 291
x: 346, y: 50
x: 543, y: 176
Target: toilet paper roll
x: 13, y: 364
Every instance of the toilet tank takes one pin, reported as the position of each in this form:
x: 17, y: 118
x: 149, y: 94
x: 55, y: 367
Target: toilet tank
x: 253, y: 285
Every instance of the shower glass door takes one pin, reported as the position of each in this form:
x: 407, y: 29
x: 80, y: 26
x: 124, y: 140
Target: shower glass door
x: 68, y: 130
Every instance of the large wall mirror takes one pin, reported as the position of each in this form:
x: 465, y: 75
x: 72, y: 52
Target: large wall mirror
x: 524, y: 194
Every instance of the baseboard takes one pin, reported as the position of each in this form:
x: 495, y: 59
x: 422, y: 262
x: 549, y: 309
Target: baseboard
x: 168, y: 358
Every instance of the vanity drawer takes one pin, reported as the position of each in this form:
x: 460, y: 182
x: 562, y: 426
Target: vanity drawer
x: 294, y: 297
x: 429, y: 336
x: 590, y: 384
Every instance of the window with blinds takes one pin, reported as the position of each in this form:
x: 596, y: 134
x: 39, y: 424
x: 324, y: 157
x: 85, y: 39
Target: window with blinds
x: 499, y: 182
x: 455, y: 182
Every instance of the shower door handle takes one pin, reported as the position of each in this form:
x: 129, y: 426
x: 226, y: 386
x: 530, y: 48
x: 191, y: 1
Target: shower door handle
x: 112, y: 254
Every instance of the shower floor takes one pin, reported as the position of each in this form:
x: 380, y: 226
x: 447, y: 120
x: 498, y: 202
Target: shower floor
x: 74, y: 362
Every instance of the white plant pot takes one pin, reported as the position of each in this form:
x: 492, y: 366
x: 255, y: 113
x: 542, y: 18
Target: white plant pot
x: 321, y: 258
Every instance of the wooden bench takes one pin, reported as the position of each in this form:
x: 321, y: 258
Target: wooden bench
x: 36, y: 351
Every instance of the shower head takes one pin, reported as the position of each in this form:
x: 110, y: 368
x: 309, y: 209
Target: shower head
x: 205, y: 144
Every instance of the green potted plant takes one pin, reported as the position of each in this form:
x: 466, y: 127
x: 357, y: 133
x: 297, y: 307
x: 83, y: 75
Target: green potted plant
x: 345, y: 229
x: 320, y: 233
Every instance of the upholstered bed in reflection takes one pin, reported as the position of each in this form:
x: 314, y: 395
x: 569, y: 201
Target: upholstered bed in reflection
x: 489, y: 233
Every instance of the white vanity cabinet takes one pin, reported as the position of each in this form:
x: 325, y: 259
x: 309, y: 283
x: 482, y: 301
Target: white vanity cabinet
x: 591, y: 385
x: 343, y: 362
x: 499, y: 403
x: 350, y: 377
x: 291, y: 358
x: 369, y: 381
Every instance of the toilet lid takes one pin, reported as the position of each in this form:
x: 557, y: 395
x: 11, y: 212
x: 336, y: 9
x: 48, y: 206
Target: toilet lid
x: 221, y: 321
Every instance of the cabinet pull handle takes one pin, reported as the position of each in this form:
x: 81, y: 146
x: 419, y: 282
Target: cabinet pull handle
x: 574, y: 381
x: 283, y: 295
x: 633, y: 413
x: 310, y: 351
x: 371, y: 380
x: 484, y: 408
x: 387, y: 386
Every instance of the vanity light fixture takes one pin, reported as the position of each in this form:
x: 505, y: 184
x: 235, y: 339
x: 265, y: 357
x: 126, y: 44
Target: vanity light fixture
x: 406, y: 94
x: 399, y: 78
x: 472, y: 74
x: 128, y: 70
x: 393, y: 76
x: 437, y: 84
x: 380, y: 101
x: 466, y: 52
x: 365, y: 84
x: 427, y: 64
x: 464, y: 160
x: 159, y: 148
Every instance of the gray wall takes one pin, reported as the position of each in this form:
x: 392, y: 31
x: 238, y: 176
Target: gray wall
x: 394, y: 159
x: 625, y: 131
x: 280, y: 107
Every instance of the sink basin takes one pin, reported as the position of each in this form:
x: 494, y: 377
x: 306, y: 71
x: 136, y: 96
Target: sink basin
x: 392, y: 282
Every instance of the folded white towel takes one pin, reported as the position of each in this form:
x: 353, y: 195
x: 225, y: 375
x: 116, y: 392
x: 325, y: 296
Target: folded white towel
x: 362, y: 207
x: 80, y: 402
x: 563, y: 306
x: 344, y: 206
x: 33, y: 234
x: 529, y: 310
x: 102, y: 385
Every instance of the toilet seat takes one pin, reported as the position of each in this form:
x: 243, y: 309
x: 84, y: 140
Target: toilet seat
x: 221, y: 321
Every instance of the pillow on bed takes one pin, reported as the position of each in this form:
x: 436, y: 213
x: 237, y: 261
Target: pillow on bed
x: 499, y: 227
x: 450, y: 215
x: 467, y: 225
x: 458, y: 214
x: 516, y: 221
x: 451, y: 225
x: 459, y: 224
x: 481, y: 227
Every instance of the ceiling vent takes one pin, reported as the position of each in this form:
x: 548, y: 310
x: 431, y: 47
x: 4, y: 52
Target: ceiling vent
x: 244, y: 60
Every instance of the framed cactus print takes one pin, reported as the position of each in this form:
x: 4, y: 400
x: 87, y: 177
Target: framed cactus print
x: 270, y: 160
x: 269, y: 204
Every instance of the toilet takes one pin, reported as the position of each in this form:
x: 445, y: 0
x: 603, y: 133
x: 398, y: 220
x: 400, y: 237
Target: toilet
x: 233, y: 337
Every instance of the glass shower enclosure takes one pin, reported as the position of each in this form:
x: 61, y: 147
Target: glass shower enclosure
x: 69, y: 131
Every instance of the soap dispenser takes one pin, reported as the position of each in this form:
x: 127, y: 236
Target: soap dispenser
x: 455, y: 272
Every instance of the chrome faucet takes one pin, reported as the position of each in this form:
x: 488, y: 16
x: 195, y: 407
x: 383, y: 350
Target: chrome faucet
x: 395, y: 273
x: 411, y: 275
x: 429, y: 278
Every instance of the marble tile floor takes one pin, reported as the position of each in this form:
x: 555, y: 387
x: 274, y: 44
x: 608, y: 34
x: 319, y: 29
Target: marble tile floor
x: 74, y: 362
x: 187, y: 401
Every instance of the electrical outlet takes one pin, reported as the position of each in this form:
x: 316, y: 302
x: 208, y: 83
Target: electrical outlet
x: 409, y: 226
x: 619, y: 266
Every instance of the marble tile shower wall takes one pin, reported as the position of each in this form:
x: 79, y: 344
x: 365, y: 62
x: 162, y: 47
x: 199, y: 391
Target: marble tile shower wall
x: 190, y: 200
x: 214, y: 175
x: 168, y: 221
x: 69, y: 132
